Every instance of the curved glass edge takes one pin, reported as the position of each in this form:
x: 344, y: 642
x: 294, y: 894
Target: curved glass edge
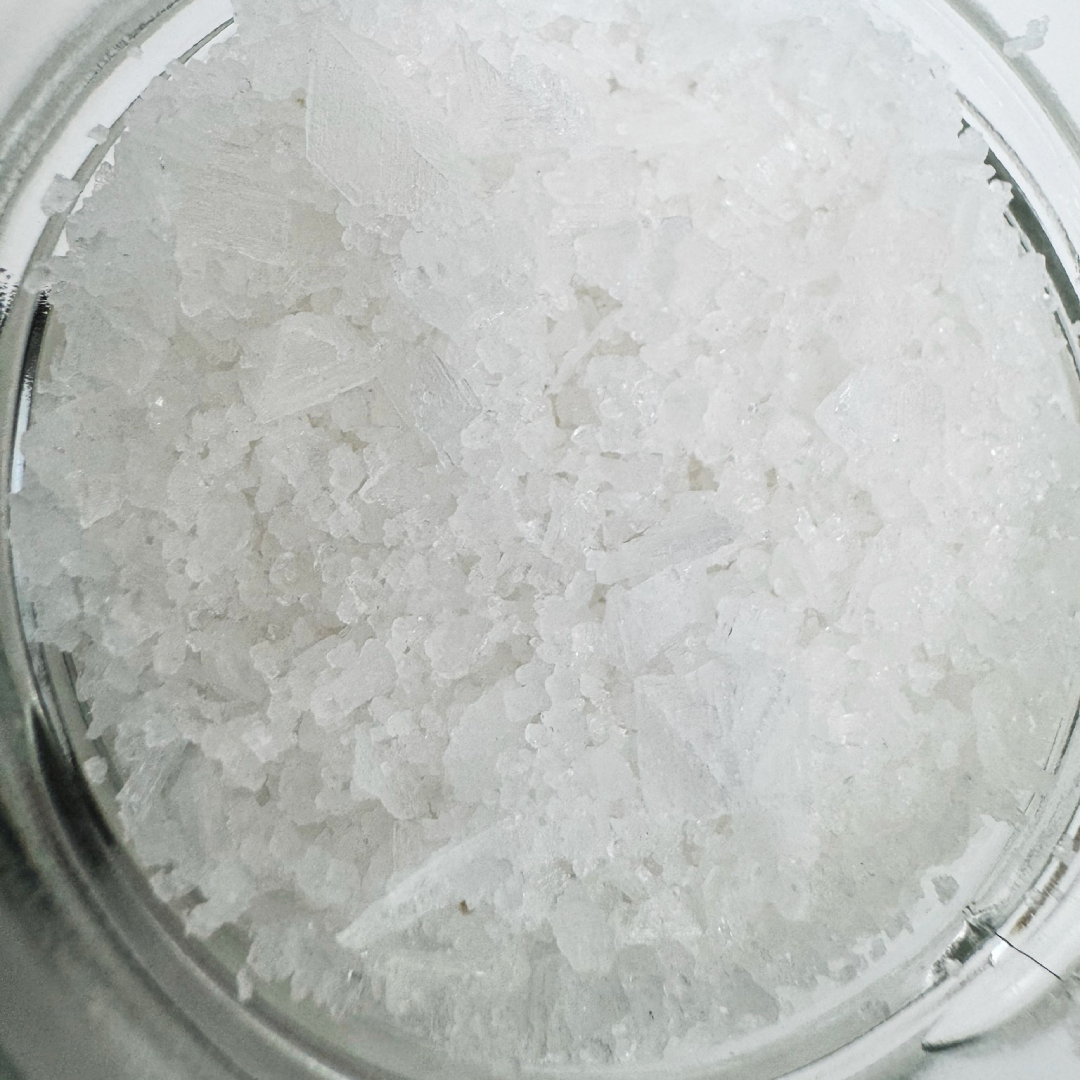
x: 90, y: 81
x: 57, y: 89
x: 1017, y: 102
x: 1023, y: 934
x: 92, y: 972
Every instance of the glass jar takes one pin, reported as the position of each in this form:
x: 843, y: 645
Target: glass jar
x: 99, y: 980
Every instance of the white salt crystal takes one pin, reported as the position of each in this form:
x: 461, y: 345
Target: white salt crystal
x: 146, y: 781
x: 235, y: 212
x: 678, y: 778
x: 454, y: 647
x: 425, y: 392
x: 96, y: 769
x: 693, y: 528
x: 646, y: 618
x: 359, y: 134
x: 354, y: 678
x: 303, y: 361
x: 1034, y: 37
x: 583, y: 934
x: 661, y: 918
x: 230, y: 889
x: 389, y: 781
x: 613, y: 778
x: 487, y: 112
x: 61, y: 195
x: 468, y: 871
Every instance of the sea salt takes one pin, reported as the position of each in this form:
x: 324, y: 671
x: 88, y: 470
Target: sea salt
x: 96, y: 769
x: 563, y: 514
x: 60, y: 196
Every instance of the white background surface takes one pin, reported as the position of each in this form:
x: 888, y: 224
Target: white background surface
x: 27, y: 29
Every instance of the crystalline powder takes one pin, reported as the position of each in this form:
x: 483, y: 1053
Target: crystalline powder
x: 562, y: 515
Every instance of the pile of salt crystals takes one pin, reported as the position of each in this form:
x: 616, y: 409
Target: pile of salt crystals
x: 563, y: 512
